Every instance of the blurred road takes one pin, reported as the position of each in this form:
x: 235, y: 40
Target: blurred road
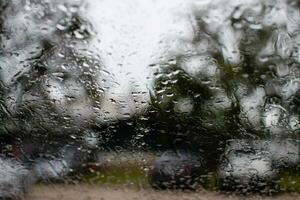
x: 88, y: 192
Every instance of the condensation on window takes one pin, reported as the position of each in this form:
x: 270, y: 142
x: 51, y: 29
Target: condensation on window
x: 146, y: 99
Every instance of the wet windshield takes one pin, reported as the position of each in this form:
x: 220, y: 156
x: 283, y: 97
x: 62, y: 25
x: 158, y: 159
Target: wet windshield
x: 149, y: 96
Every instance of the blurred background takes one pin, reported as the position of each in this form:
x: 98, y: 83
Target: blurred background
x: 149, y: 98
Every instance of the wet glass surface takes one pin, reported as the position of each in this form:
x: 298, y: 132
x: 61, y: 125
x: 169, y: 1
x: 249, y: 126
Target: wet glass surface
x: 147, y: 98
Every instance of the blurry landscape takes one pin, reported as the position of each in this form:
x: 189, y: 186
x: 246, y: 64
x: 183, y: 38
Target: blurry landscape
x: 120, y: 97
